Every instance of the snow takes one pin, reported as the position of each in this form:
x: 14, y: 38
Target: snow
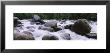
x: 38, y: 34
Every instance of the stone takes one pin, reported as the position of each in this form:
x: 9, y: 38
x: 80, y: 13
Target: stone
x: 46, y: 28
x: 16, y: 22
x: 51, y: 24
x: 91, y: 35
x: 36, y: 17
x: 47, y: 37
x: 68, y: 26
x: 16, y: 18
x: 56, y: 29
x: 81, y: 26
x: 23, y: 36
x: 66, y: 36
x: 37, y: 20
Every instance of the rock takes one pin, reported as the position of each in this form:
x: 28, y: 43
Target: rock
x: 30, y: 27
x: 81, y: 26
x: 91, y: 35
x: 16, y: 30
x: 46, y: 28
x: 37, y: 20
x: 16, y: 22
x: 68, y: 26
x: 66, y: 36
x: 51, y: 24
x: 16, y: 18
x: 23, y: 36
x: 47, y: 37
x: 63, y: 21
x: 36, y: 17
x: 37, y: 23
x: 40, y: 22
x: 19, y: 25
x: 56, y: 29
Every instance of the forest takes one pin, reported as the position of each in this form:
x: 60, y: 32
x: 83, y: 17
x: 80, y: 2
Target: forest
x: 57, y: 16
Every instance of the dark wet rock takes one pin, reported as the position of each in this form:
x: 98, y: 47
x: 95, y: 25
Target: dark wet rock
x: 16, y: 22
x: 19, y: 25
x: 68, y: 26
x: 37, y: 23
x: 56, y: 29
x: 23, y: 36
x: 47, y: 37
x: 91, y: 35
x: 66, y: 36
x: 81, y: 26
x: 51, y: 29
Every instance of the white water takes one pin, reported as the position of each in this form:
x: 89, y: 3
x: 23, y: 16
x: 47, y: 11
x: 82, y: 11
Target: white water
x: 38, y: 34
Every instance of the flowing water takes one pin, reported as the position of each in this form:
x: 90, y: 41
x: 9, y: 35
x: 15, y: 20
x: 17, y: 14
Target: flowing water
x: 38, y: 34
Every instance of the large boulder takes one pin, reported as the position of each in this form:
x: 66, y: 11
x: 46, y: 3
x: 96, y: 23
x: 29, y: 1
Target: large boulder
x: 23, y: 36
x: 81, y: 26
x: 66, y: 36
